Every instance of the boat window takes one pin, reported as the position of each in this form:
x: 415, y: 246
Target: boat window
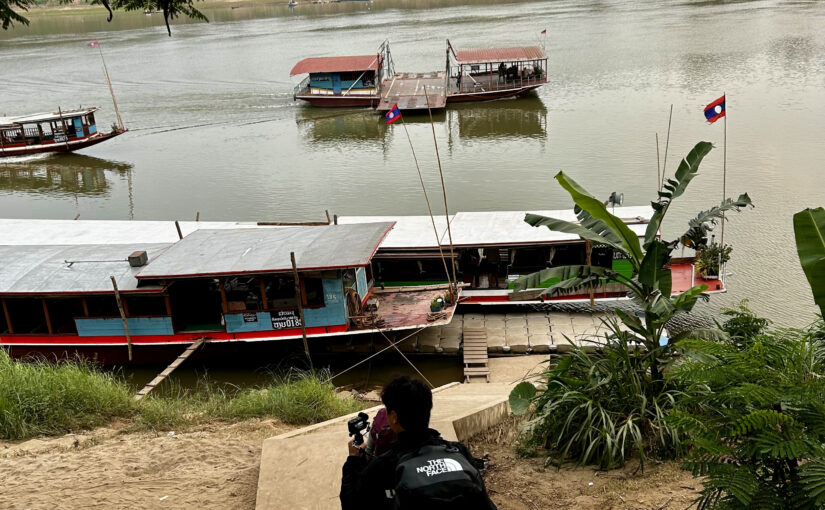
x: 601, y: 256
x: 312, y: 292
x: 102, y: 306
x: 243, y: 294
x: 280, y: 292
x: 146, y: 306
x: 27, y: 316
x: 62, y: 313
x: 196, y: 305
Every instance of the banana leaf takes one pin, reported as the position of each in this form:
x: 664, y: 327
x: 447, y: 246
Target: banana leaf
x: 653, y: 272
x: 564, y: 273
x: 597, y: 210
x: 809, y: 229
x: 674, y: 188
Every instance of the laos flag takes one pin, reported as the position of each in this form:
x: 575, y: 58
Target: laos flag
x: 715, y: 110
x: 392, y: 115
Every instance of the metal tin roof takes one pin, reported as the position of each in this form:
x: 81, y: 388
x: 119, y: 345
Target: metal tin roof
x: 245, y: 251
x: 408, y: 232
x: 43, y: 117
x: 507, y: 228
x: 44, y: 270
x: 484, y: 55
x: 336, y: 64
x: 50, y: 232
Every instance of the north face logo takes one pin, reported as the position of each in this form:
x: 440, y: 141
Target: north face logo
x: 438, y: 466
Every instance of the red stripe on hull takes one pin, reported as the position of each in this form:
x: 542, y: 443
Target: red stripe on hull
x: 339, y: 101
x: 60, y: 147
x: 490, y: 96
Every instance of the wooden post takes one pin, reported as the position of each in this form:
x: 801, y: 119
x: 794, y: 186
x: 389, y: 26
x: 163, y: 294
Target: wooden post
x: 335, y: 219
x: 123, y: 317
x: 198, y: 216
x: 222, y: 288
x: 112, y: 92
x: 48, y: 319
x: 299, y: 299
x: 264, y: 301
x: 328, y: 218
x: 177, y: 226
x: 8, y: 317
x: 85, y: 307
x: 168, y: 302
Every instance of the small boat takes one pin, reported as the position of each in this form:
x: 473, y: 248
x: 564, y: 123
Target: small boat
x: 340, y: 81
x: 292, y: 3
x: 61, y: 131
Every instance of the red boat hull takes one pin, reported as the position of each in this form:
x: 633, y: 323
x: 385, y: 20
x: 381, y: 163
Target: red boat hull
x: 70, y: 146
x: 339, y: 101
x: 491, y: 95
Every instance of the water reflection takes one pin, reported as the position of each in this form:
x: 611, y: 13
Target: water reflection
x: 510, y: 118
x: 60, y: 175
x: 324, y: 126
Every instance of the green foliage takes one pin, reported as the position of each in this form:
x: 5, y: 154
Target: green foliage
x: 708, y: 258
x: 8, y: 16
x: 753, y: 411
x: 521, y: 396
x: 44, y: 398
x: 600, y: 408
x: 809, y: 229
x: 703, y: 223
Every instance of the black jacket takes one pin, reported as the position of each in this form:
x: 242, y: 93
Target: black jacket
x: 365, y: 482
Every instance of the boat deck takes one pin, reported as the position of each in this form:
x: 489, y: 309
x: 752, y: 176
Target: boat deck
x: 407, y: 90
x: 407, y: 308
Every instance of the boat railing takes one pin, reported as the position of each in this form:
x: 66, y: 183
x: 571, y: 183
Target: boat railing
x: 301, y: 86
x: 491, y: 82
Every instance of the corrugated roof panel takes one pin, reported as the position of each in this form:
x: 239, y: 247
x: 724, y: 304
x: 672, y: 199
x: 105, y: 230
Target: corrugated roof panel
x: 41, y: 117
x: 41, y: 270
x: 482, y: 55
x: 336, y: 64
x: 408, y: 232
x: 242, y: 251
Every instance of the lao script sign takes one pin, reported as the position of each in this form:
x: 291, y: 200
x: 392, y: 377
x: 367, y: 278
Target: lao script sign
x: 60, y: 138
x: 285, y: 319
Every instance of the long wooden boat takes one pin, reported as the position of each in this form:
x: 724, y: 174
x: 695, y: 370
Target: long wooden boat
x: 61, y: 131
x: 226, y: 284
x: 340, y: 81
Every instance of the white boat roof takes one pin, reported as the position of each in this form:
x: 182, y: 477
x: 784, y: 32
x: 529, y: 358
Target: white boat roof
x: 46, y: 116
x: 49, y: 232
x: 83, y: 269
x: 500, y: 228
x: 244, y: 251
x: 408, y: 232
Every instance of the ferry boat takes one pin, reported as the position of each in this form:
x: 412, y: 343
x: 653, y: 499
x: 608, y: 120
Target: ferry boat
x: 98, y: 288
x: 61, y: 131
x: 470, y: 75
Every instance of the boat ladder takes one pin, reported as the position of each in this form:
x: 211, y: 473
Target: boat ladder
x: 171, y: 368
x: 475, y: 354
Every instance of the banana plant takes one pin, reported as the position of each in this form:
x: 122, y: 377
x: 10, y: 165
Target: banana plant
x: 809, y: 229
x: 650, y: 285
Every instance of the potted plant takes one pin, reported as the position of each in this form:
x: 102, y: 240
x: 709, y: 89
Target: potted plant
x: 709, y: 257
x: 437, y: 304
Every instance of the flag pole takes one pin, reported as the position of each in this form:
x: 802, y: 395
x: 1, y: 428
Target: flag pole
x: 667, y: 144
x: 112, y: 92
x: 724, y: 182
x: 427, y: 199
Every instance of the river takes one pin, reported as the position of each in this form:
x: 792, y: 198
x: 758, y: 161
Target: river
x: 214, y: 129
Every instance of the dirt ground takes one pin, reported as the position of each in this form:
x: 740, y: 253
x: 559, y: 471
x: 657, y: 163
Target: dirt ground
x: 213, y: 467
x: 526, y: 484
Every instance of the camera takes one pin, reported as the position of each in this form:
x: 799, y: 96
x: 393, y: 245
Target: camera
x: 358, y: 425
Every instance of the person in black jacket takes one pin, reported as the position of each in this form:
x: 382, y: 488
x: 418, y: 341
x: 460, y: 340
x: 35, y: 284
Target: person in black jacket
x: 369, y: 483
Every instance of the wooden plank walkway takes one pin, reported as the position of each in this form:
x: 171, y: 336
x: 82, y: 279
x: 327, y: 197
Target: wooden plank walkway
x: 407, y: 91
x: 171, y: 368
x: 475, y: 354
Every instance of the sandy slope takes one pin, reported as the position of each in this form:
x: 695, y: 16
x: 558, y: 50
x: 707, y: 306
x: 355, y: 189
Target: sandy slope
x: 213, y: 467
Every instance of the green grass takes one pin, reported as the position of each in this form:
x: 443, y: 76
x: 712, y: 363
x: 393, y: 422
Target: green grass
x: 46, y: 398
x: 42, y: 398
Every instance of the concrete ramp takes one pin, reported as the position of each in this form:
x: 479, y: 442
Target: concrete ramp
x: 302, y: 469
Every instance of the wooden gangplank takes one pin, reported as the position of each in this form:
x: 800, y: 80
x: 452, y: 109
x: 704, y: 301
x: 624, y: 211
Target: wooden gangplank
x: 407, y: 90
x: 475, y: 354
x: 171, y: 368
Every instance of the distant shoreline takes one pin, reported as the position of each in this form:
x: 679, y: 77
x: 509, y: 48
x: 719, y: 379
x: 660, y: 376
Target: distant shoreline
x: 49, y: 8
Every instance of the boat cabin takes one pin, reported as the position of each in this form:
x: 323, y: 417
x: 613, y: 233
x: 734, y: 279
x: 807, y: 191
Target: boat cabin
x: 339, y: 81
x: 474, y: 74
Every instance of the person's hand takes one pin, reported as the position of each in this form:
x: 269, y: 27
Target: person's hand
x: 356, y: 451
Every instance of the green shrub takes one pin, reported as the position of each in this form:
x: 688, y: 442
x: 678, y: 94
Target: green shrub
x: 742, y: 324
x: 39, y: 397
x: 297, y: 398
x: 755, y: 417
x: 599, y: 408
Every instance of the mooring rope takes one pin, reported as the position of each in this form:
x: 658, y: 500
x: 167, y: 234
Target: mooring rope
x: 373, y: 355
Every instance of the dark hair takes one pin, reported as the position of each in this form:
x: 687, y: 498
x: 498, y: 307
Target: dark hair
x: 411, y: 400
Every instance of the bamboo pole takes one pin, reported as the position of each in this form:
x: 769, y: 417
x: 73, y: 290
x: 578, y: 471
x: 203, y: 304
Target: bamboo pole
x: 298, y: 298
x: 49, y: 327
x: 588, y: 247
x: 658, y: 169
x: 177, y: 226
x: 454, y: 296
x: 122, y: 316
x: 724, y: 182
x: 667, y: 144
x: 8, y: 316
x: 427, y: 200
x: 111, y: 91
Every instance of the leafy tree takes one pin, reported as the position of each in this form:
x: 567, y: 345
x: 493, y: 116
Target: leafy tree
x: 809, y: 229
x: 753, y: 411
x: 171, y: 9
x: 604, y: 408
